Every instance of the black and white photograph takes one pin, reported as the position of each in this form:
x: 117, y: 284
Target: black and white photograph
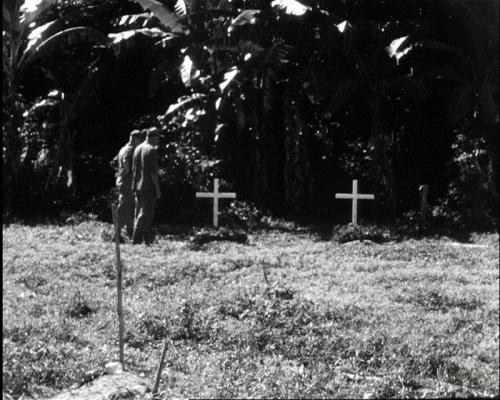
x: 250, y: 199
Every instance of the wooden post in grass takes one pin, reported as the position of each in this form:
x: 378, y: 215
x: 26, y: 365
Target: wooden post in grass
x: 424, y: 190
x: 160, y: 369
x: 118, y: 280
x: 264, y: 269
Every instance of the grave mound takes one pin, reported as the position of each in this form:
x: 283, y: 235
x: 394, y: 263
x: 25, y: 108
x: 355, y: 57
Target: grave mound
x: 205, y: 235
x: 349, y: 233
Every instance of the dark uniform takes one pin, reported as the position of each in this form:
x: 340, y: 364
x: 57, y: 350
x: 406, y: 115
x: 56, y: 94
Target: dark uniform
x: 145, y: 163
x: 124, y: 185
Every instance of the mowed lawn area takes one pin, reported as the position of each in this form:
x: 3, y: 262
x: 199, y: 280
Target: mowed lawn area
x: 416, y: 318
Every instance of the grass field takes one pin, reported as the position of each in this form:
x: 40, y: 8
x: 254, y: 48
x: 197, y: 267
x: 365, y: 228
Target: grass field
x: 416, y: 318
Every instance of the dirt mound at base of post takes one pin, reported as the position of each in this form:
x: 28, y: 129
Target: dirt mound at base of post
x: 125, y: 385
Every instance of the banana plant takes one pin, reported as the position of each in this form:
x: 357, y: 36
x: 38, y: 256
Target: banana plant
x: 16, y: 19
x: 372, y: 75
x: 216, y: 44
x: 29, y: 40
x: 471, y: 65
x: 222, y: 51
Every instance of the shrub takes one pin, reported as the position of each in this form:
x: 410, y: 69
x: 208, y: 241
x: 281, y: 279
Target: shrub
x: 242, y: 215
x: 470, y: 198
x: 185, y: 160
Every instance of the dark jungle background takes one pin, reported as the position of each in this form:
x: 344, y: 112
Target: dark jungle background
x: 285, y: 101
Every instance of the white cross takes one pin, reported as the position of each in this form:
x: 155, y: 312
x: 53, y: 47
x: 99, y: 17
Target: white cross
x: 354, y: 196
x: 216, y: 195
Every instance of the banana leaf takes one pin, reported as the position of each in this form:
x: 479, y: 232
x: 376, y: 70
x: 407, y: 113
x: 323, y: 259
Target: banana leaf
x: 163, y: 13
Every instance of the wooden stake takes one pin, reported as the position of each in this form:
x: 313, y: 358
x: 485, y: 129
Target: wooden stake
x: 160, y: 369
x: 118, y: 280
x: 264, y: 269
x: 424, y: 190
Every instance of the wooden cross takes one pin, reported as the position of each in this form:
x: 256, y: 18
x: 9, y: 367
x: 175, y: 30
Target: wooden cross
x: 216, y: 195
x: 354, y: 196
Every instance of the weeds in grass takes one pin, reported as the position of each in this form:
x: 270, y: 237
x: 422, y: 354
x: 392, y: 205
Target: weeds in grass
x: 37, y: 311
x: 109, y: 272
x: 154, y: 327
x: 188, y: 312
x: 78, y: 306
x: 32, y: 281
x: 236, y: 265
x: 266, y: 274
x: 435, y: 300
x: 108, y: 234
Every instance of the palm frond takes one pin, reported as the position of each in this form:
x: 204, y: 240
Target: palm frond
x: 245, y: 17
x: 183, y: 102
x: 228, y: 78
x: 291, y: 7
x: 116, y: 38
x: 188, y: 71
x: 180, y: 8
x: 135, y: 21
x: 79, y: 33
x: 278, y: 53
x: 31, y: 9
x: 163, y: 13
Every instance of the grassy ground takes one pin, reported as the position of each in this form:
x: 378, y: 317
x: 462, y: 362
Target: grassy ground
x: 417, y: 318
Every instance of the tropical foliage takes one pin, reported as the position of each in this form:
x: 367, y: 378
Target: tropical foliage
x: 285, y: 100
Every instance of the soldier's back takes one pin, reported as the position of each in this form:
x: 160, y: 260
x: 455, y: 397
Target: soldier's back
x: 143, y: 165
x: 124, y: 166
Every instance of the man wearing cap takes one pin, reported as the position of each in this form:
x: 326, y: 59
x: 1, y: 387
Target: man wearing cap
x: 146, y: 186
x: 123, y: 163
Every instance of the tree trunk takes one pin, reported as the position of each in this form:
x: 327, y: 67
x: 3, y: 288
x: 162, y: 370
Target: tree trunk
x: 269, y: 153
x: 11, y: 145
x: 11, y: 167
x: 493, y: 173
x: 297, y: 168
x: 384, y: 171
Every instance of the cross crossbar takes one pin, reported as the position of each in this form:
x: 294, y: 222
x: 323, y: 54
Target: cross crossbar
x: 220, y: 195
x: 350, y: 196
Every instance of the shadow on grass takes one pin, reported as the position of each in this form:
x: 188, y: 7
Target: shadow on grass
x: 325, y: 230
x: 179, y: 231
x: 382, y: 233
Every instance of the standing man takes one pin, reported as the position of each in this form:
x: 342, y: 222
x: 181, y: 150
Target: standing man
x: 123, y: 163
x: 146, y: 186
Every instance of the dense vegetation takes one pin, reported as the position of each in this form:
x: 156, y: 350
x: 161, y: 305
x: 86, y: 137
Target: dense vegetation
x: 286, y: 101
